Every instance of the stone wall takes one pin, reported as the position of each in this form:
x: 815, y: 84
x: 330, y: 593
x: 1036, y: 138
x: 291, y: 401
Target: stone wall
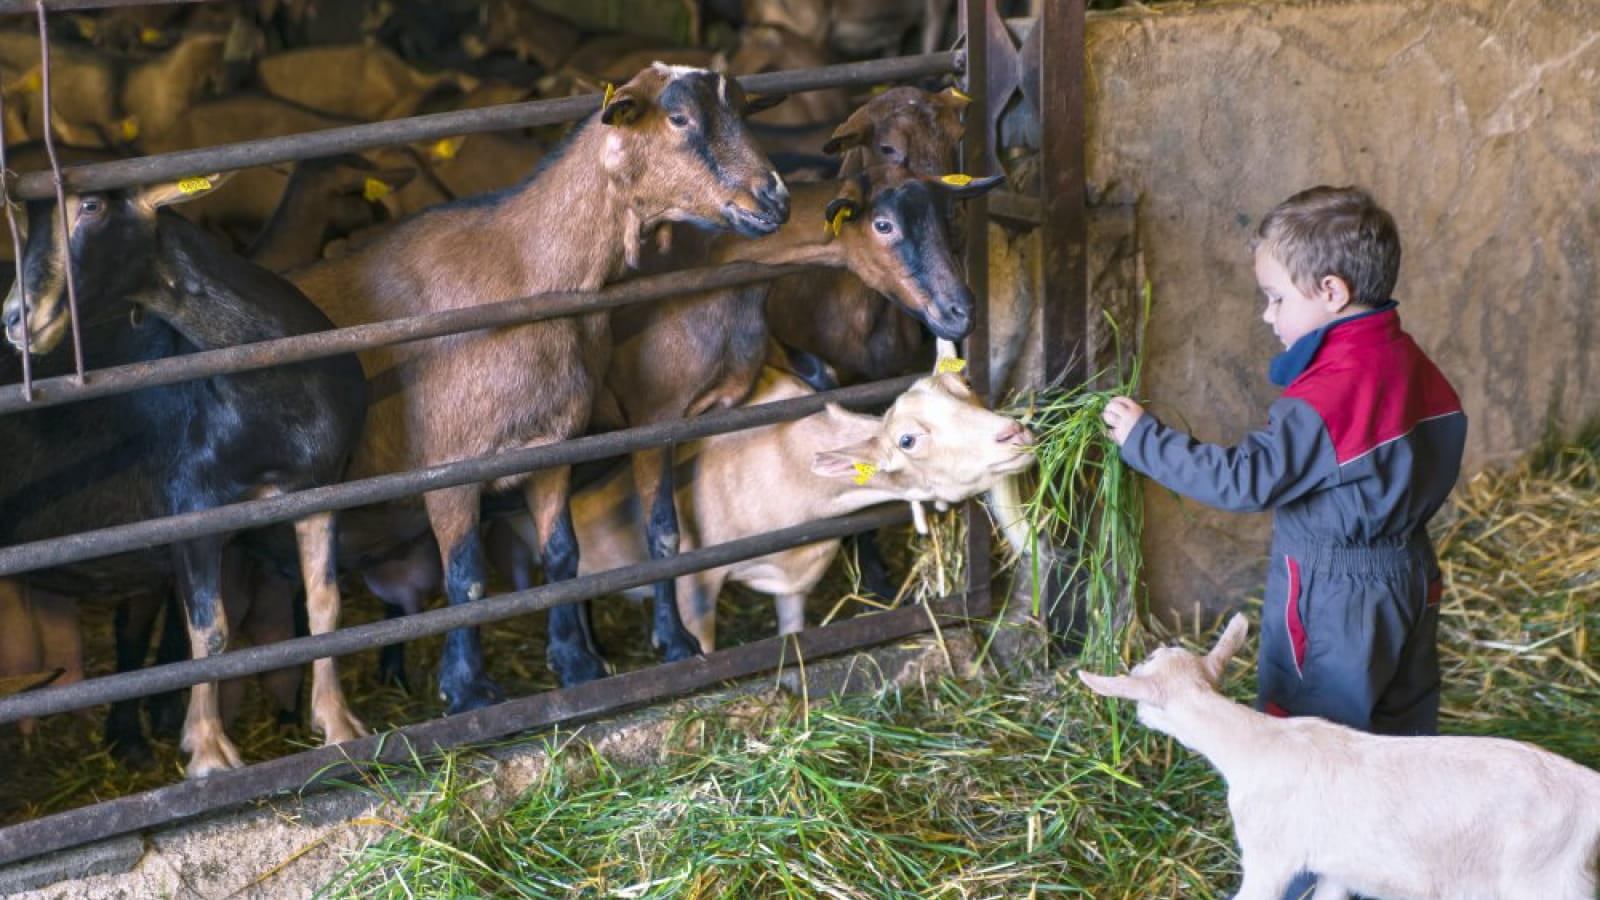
x: 1475, y: 122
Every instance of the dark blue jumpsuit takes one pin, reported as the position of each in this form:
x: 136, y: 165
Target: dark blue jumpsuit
x: 1359, y: 452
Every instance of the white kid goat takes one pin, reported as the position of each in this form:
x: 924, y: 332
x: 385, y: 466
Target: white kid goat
x: 936, y: 444
x: 1392, y: 818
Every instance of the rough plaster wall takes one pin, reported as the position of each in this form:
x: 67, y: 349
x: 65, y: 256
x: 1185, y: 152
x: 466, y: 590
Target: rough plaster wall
x: 1476, y: 122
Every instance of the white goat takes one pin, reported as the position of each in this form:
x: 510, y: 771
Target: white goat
x: 1393, y: 818
x: 936, y: 443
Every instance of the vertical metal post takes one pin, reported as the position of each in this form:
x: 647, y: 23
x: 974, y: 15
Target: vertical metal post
x: 1063, y: 230
x: 975, y: 158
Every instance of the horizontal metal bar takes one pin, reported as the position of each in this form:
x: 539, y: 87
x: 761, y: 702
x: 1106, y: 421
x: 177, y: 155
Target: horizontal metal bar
x: 119, y: 379
x: 347, y: 761
x: 295, y: 651
x: 381, y: 488
x: 28, y: 6
x: 354, y: 138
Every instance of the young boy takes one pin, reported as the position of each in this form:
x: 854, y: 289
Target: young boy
x: 1360, y: 450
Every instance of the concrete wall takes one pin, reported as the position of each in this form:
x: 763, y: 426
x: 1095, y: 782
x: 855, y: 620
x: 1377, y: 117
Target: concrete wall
x: 1475, y: 122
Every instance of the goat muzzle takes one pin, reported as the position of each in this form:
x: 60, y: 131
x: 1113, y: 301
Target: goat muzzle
x: 770, y: 210
x: 951, y: 320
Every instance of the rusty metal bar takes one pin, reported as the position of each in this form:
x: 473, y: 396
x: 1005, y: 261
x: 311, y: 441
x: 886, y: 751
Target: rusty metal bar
x: 975, y: 155
x: 28, y: 6
x: 1063, y: 230
x: 285, y: 507
x: 227, y: 360
x: 47, y: 104
x: 295, y: 651
x: 347, y: 761
x: 354, y: 138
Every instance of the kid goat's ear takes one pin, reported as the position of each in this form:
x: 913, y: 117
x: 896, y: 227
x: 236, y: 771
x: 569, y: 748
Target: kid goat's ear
x: 1128, y: 687
x: 1227, y: 645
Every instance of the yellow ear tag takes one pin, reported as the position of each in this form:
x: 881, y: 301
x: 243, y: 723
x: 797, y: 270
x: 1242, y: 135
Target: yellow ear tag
x: 956, y: 180
x: 194, y: 185
x: 33, y: 82
x: 954, y: 365
x: 87, y: 27
x: 864, y: 472
x: 839, y: 218
x: 611, y: 91
x: 374, y: 190
x: 129, y: 128
x: 150, y: 35
x: 959, y: 94
x: 446, y: 148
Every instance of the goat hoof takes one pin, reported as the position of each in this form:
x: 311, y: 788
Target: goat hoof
x: 471, y: 695
x: 577, y: 668
x: 683, y: 646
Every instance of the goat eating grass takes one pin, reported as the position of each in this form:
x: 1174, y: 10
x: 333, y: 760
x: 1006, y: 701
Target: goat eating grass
x: 1392, y: 818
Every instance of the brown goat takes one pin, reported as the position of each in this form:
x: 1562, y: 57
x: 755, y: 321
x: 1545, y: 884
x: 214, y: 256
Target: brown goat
x: 834, y: 315
x: 667, y: 146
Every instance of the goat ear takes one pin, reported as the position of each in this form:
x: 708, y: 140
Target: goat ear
x: 964, y: 186
x: 1232, y: 639
x: 1127, y: 687
x: 754, y: 103
x: 952, y: 98
x: 620, y: 106
x: 841, y: 210
x: 167, y: 193
x: 855, y: 462
x: 851, y: 133
x: 842, y: 141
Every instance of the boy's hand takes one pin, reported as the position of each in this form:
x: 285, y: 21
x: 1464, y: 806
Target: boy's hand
x: 1121, y: 413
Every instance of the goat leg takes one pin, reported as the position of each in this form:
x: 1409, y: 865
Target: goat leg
x: 199, y: 570
x: 653, y: 477
x: 330, y: 714
x: 571, y: 650
x: 453, y: 513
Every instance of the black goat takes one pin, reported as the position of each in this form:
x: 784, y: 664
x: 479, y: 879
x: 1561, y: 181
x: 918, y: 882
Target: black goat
x: 151, y: 285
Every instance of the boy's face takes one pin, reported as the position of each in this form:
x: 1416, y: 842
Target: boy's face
x: 1291, y: 313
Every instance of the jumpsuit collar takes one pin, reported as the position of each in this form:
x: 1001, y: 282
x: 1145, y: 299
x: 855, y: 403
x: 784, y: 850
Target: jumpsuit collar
x: 1288, y: 365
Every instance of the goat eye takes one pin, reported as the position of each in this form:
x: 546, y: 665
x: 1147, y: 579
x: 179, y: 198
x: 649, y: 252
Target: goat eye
x: 882, y: 226
x: 907, y: 441
x: 678, y: 120
x: 91, y: 206
x: 889, y: 151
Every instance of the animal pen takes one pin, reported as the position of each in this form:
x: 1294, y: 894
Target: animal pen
x: 990, y: 69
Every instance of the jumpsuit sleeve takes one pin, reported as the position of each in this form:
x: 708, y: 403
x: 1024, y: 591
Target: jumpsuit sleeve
x: 1288, y: 459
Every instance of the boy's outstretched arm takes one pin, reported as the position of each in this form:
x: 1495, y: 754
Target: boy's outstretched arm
x: 1271, y: 466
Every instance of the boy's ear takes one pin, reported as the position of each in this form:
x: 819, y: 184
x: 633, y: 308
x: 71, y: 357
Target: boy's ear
x: 1337, y: 291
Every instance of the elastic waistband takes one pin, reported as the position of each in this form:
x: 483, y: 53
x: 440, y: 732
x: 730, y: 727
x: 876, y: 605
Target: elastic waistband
x: 1400, y: 555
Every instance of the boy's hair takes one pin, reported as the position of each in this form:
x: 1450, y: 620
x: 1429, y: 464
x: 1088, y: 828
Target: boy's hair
x: 1334, y: 231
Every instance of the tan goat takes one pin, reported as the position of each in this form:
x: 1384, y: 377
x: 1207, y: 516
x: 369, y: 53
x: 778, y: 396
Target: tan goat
x: 1392, y: 818
x: 668, y: 145
x: 935, y: 443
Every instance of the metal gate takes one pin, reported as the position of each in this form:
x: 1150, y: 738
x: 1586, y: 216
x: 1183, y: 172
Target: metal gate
x: 989, y: 60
